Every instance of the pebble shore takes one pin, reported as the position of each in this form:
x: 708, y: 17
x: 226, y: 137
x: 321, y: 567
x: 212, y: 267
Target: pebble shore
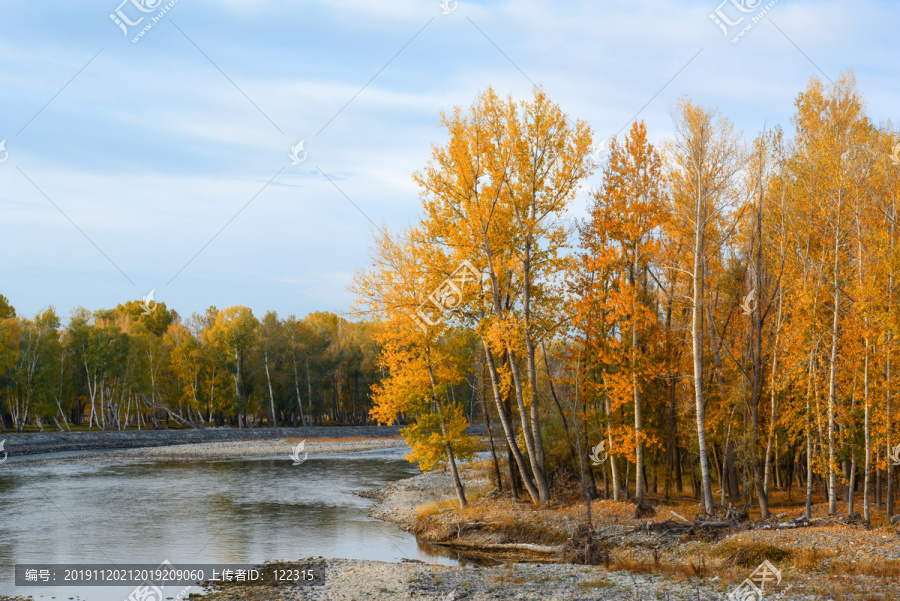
x: 359, y: 580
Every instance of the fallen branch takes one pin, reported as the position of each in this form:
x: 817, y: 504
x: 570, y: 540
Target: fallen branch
x: 714, y: 524
x: 681, y: 517
x: 478, y: 524
x: 543, y: 549
x: 174, y: 416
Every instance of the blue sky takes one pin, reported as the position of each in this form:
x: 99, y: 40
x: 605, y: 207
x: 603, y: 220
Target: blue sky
x: 127, y: 159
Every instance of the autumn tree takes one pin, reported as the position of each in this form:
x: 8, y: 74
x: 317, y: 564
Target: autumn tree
x: 829, y: 127
x: 495, y: 195
x: 613, y: 270
x: 233, y: 333
x: 705, y: 157
x: 422, y: 365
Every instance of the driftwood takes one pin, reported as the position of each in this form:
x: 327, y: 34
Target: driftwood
x: 543, y: 549
x: 477, y: 524
x: 584, y: 548
x: 175, y: 416
x: 802, y: 522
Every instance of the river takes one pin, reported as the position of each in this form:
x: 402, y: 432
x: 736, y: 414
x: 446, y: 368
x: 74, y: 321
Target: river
x: 237, y: 511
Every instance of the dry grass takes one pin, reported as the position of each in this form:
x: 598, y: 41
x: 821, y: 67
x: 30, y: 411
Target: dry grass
x: 596, y: 583
x: 750, y: 555
x: 844, y: 588
x: 810, y: 559
x: 479, y: 469
x: 882, y: 569
x: 698, y: 567
x: 434, y: 508
x: 426, y: 510
x: 437, y: 521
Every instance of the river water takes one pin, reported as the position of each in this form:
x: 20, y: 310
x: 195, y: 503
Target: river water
x: 239, y: 511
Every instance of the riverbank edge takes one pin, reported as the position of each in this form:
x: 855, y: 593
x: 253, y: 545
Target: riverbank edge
x: 33, y: 443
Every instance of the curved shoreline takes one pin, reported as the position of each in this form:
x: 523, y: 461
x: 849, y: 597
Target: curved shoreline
x: 32, y: 443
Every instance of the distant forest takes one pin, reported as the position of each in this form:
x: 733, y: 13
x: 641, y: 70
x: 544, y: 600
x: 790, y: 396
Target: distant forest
x: 142, y: 365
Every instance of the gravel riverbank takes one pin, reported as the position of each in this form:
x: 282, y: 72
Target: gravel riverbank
x: 397, y: 502
x: 354, y: 580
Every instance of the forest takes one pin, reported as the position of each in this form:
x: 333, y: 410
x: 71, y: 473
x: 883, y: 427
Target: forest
x: 725, y: 312
x: 141, y: 365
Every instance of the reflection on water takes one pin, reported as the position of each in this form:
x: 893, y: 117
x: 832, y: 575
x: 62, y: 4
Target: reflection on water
x: 245, y: 511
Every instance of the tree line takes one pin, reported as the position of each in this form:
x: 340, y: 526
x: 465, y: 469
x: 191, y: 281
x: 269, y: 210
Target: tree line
x: 725, y: 314
x: 141, y: 365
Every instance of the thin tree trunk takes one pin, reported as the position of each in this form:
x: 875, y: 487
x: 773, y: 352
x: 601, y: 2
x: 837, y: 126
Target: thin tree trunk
x: 697, y: 350
x: 612, y: 462
x: 297, y: 386
x: 638, y: 442
x: 868, y: 435
x: 809, y: 466
x: 490, y: 428
x: 507, y: 426
x: 771, y: 439
x: 670, y: 436
x: 832, y: 384
x: 457, y: 483
x: 274, y: 423
x: 533, y: 421
x: 309, y: 389
x: 237, y: 390
x: 887, y: 369
x: 537, y: 466
x: 565, y: 421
